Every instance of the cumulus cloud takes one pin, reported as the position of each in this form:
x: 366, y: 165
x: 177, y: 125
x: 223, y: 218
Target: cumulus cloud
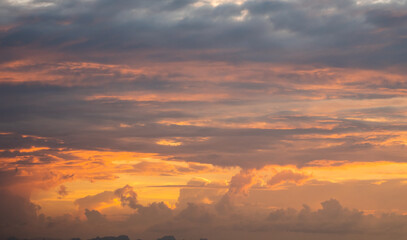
x: 16, y: 210
x: 332, y: 217
x: 151, y: 214
x: 125, y: 195
x: 331, y: 220
x: 241, y: 182
x: 17, y: 213
x: 197, y: 219
x: 128, y: 197
x: 201, y: 191
x: 94, y: 216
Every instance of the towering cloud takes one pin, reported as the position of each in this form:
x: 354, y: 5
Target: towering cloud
x: 128, y: 197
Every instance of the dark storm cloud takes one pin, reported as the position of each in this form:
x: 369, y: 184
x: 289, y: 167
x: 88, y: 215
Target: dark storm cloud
x: 336, y: 33
x: 387, y: 18
x: 16, y: 210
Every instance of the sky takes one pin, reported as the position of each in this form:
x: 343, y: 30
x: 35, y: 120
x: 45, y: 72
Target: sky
x: 218, y: 119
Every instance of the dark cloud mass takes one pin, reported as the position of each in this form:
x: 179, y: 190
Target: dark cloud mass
x: 336, y: 33
x: 82, y: 70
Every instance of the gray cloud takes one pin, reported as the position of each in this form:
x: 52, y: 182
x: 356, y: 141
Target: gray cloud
x: 94, y: 216
x: 17, y: 213
x: 62, y: 191
x: 329, y: 32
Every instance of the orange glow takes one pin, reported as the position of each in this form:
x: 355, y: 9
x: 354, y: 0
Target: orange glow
x: 146, y: 97
x: 169, y: 142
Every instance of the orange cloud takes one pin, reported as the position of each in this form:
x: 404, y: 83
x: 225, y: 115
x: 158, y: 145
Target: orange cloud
x: 287, y: 176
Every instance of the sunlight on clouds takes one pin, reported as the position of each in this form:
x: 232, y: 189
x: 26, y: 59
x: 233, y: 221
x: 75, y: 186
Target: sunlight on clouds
x: 185, y: 116
x: 27, y: 150
x: 31, y: 3
x: 163, y: 97
x: 367, y: 2
x: 218, y: 2
x: 32, y: 149
x: 152, y: 188
x: 340, y: 171
x: 360, y: 171
x: 169, y: 142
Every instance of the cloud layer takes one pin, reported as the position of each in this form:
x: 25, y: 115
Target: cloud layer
x: 171, y: 116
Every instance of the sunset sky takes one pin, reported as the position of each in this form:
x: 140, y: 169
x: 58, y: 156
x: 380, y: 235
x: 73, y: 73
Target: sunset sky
x: 218, y: 119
